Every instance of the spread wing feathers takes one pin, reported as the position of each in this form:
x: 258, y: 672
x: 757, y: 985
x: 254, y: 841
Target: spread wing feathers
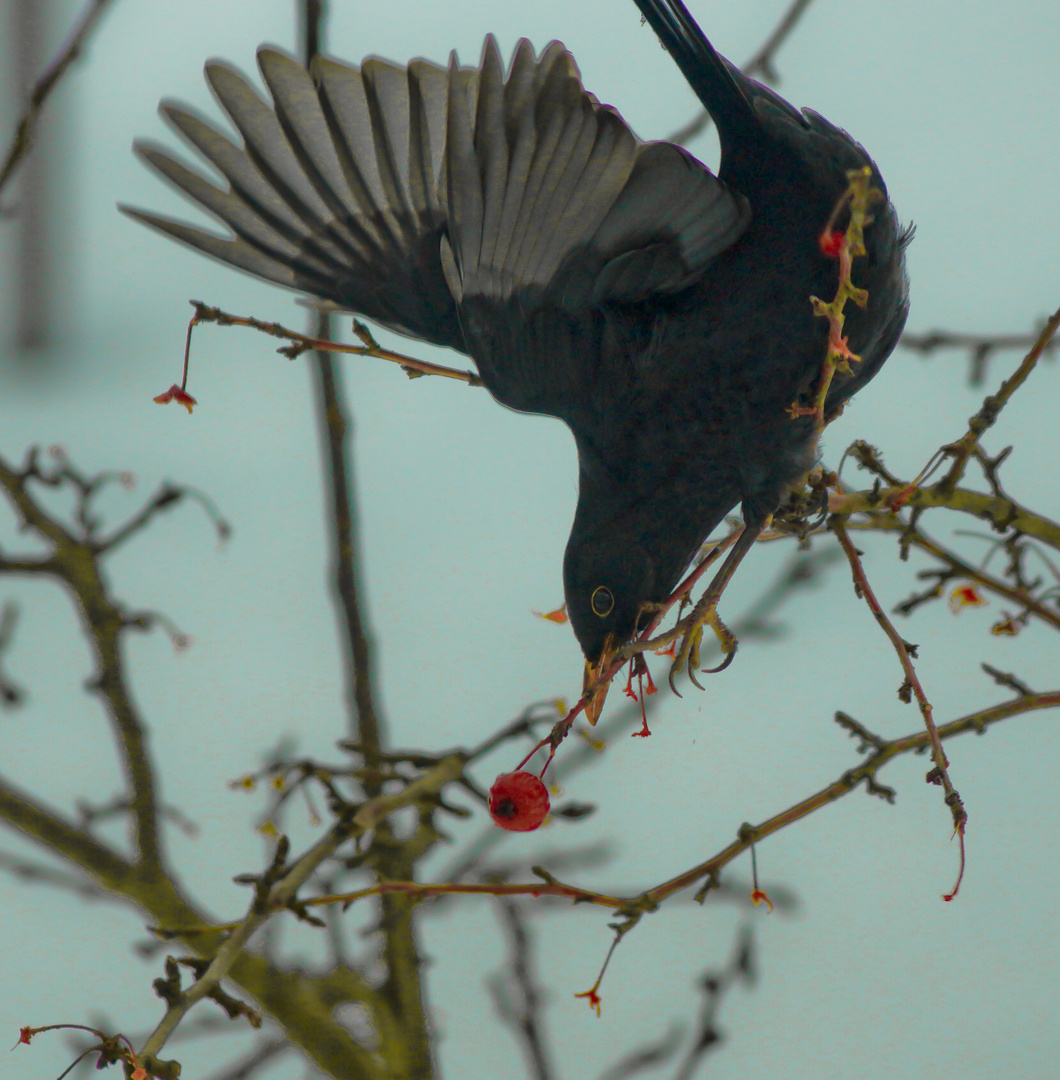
x: 552, y: 197
x: 438, y: 200
x: 336, y: 190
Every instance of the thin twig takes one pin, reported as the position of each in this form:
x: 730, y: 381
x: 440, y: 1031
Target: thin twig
x: 335, y: 437
x: 42, y: 874
x: 250, y: 1065
x: 303, y: 343
x: 74, y: 561
x: 862, y: 587
x: 524, y: 1013
x: 42, y: 89
x: 916, y: 537
x: 867, y: 771
x: 11, y: 694
x: 1002, y: 512
x: 716, y: 984
x: 991, y: 408
x: 980, y: 347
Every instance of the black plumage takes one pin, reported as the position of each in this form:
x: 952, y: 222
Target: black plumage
x: 661, y: 312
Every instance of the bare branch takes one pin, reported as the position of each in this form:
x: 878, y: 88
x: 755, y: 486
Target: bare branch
x: 74, y: 560
x: 42, y: 89
x: 11, y: 694
x: 991, y: 408
x: 303, y: 343
x: 518, y: 997
x: 981, y: 348
x: 912, y: 685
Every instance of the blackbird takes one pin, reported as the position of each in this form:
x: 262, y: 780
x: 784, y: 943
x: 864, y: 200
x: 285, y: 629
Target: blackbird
x: 662, y: 312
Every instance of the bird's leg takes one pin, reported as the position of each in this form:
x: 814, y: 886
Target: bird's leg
x: 705, y: 612
x: 666, y: 644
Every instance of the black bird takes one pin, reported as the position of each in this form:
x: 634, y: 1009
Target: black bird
x: 660, y: 311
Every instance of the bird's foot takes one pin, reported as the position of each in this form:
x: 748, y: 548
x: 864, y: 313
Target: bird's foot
x: 689, y: 630
x: 704, y: 614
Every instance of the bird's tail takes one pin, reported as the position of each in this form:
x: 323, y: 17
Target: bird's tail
x: 707, y: 73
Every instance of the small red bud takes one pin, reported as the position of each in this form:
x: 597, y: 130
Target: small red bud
x: 758, y: 896
x: 179, y: 395
x: 831, y: 242
x: 966, y: 595
x: 518, y: 801
x: 594, y: 998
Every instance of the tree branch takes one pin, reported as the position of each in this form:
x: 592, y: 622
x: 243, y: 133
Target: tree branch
x: 42, y: 89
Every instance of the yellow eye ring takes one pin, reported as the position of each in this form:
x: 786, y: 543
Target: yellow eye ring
x: 603, y: 601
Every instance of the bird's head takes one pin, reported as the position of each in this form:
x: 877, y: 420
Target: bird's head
x: 608, y: 579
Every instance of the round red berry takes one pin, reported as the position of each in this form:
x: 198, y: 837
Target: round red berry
x: 518, y: 801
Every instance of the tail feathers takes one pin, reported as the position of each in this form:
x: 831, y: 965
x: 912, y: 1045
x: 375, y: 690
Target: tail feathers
x: 710, y: 76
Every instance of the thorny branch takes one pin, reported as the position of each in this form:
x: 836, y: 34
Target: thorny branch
x: 912, y: 684
x: 991, y: 408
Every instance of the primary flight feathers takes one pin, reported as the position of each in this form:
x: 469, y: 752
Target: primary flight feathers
x: 402, y: 191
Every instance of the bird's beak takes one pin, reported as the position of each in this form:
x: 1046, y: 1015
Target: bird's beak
x: 595, y: 705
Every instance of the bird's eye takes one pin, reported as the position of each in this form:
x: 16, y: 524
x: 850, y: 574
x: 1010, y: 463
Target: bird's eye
x: 603, y: 601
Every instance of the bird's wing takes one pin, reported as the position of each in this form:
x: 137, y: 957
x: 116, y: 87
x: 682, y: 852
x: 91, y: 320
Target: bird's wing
x: 335, y: 190
x: 457, y: 206
x: 562, y: 225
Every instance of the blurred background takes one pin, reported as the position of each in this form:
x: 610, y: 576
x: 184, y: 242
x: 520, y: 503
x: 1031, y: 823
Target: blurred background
x: 465, y: 512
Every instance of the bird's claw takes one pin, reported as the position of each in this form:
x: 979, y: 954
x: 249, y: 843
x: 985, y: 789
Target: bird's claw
x: 688, y: 652
x: 690, y: 648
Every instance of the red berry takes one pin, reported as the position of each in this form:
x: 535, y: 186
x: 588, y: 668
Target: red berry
x: 518, y: 801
